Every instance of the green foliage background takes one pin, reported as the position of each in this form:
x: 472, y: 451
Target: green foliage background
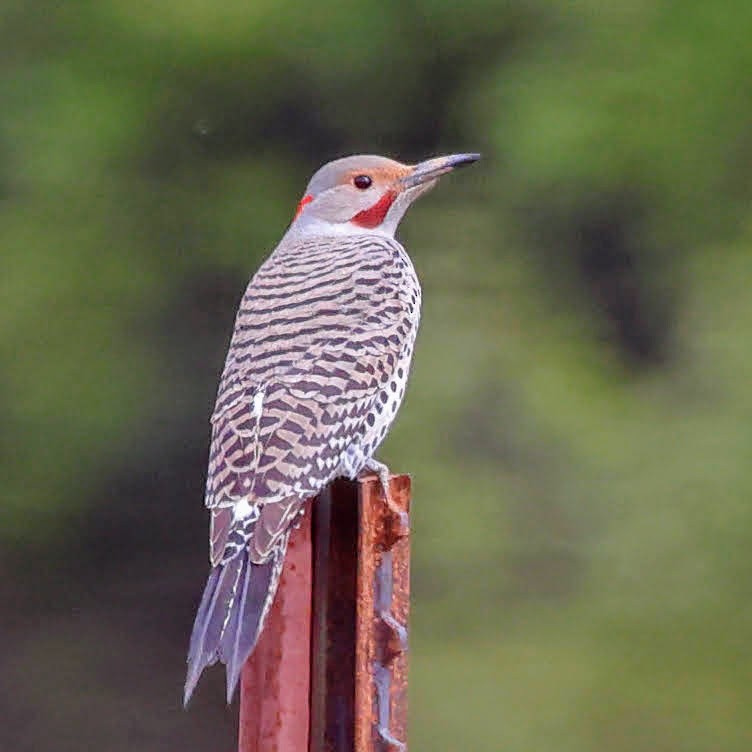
x: 579, y: 419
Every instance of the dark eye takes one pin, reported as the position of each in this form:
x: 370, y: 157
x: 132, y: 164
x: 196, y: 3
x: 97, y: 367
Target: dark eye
x: 362, y: 182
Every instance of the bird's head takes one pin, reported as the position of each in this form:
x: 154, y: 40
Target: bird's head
x: 367, y: 194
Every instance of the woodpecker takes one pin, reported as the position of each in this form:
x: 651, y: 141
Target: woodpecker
x: 314, y: 376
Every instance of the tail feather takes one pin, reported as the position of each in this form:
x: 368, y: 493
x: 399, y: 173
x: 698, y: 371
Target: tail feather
x: 230, y: 617
x: 208, y: 601
x: 258, y: 586
x: 209, y: 622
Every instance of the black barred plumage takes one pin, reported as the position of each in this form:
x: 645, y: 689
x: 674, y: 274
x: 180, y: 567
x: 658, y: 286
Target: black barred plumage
x: 303, y: 399
x: 314, y: 376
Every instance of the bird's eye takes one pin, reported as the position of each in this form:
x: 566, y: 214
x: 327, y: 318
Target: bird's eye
x: 362, y: 182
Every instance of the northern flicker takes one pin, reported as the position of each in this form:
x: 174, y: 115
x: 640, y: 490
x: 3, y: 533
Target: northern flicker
x: 315, y: 374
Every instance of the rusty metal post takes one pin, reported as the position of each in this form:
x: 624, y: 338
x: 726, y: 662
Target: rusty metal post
x: 329, y: 673
x: 275, y: 682
x: 360, y: 612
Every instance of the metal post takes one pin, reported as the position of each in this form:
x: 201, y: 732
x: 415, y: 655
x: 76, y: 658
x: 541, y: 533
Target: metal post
x: 360, y: 611
x: 275, y: 682
x: 383, y: 611
x: 330, y: 671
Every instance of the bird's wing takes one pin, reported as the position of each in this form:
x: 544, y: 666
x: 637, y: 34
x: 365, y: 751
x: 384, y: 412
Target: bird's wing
x: 282, y: 423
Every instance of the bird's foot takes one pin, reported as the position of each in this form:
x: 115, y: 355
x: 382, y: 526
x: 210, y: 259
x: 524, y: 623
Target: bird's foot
x: 382, y: 472
x: 399, y: 518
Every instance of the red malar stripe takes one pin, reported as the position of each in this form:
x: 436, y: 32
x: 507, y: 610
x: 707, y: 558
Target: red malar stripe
x: 374, y: 216
x: 303, y: 201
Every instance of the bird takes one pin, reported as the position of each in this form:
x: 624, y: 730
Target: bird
x: 314, y: 376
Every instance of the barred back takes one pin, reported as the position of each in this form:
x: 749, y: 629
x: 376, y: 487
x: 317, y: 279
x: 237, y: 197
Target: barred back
x: 325, y: 329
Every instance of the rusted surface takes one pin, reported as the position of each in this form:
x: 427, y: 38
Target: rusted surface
x: 361, y: 598
x: 275, y: 683
x: 383, y: 600
x: 342, y: 657
x: 334, y: 615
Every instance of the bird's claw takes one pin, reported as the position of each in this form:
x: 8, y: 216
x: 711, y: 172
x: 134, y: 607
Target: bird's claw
x: 399, y: 525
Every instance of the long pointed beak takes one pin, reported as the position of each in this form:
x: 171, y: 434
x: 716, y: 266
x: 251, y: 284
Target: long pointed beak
x: 436, y: 167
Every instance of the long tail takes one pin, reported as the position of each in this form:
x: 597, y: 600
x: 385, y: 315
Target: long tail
x: 230, y: 618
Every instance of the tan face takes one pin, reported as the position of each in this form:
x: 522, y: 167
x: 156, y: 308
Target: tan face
x: 368, y: 193
x: 384, y: 177
x: 343, y: 190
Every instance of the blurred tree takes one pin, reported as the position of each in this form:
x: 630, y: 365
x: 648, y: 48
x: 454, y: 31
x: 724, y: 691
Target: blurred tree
x: 579, y: 385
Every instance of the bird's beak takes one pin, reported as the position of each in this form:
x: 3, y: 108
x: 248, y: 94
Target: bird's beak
x: 435, y: 168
